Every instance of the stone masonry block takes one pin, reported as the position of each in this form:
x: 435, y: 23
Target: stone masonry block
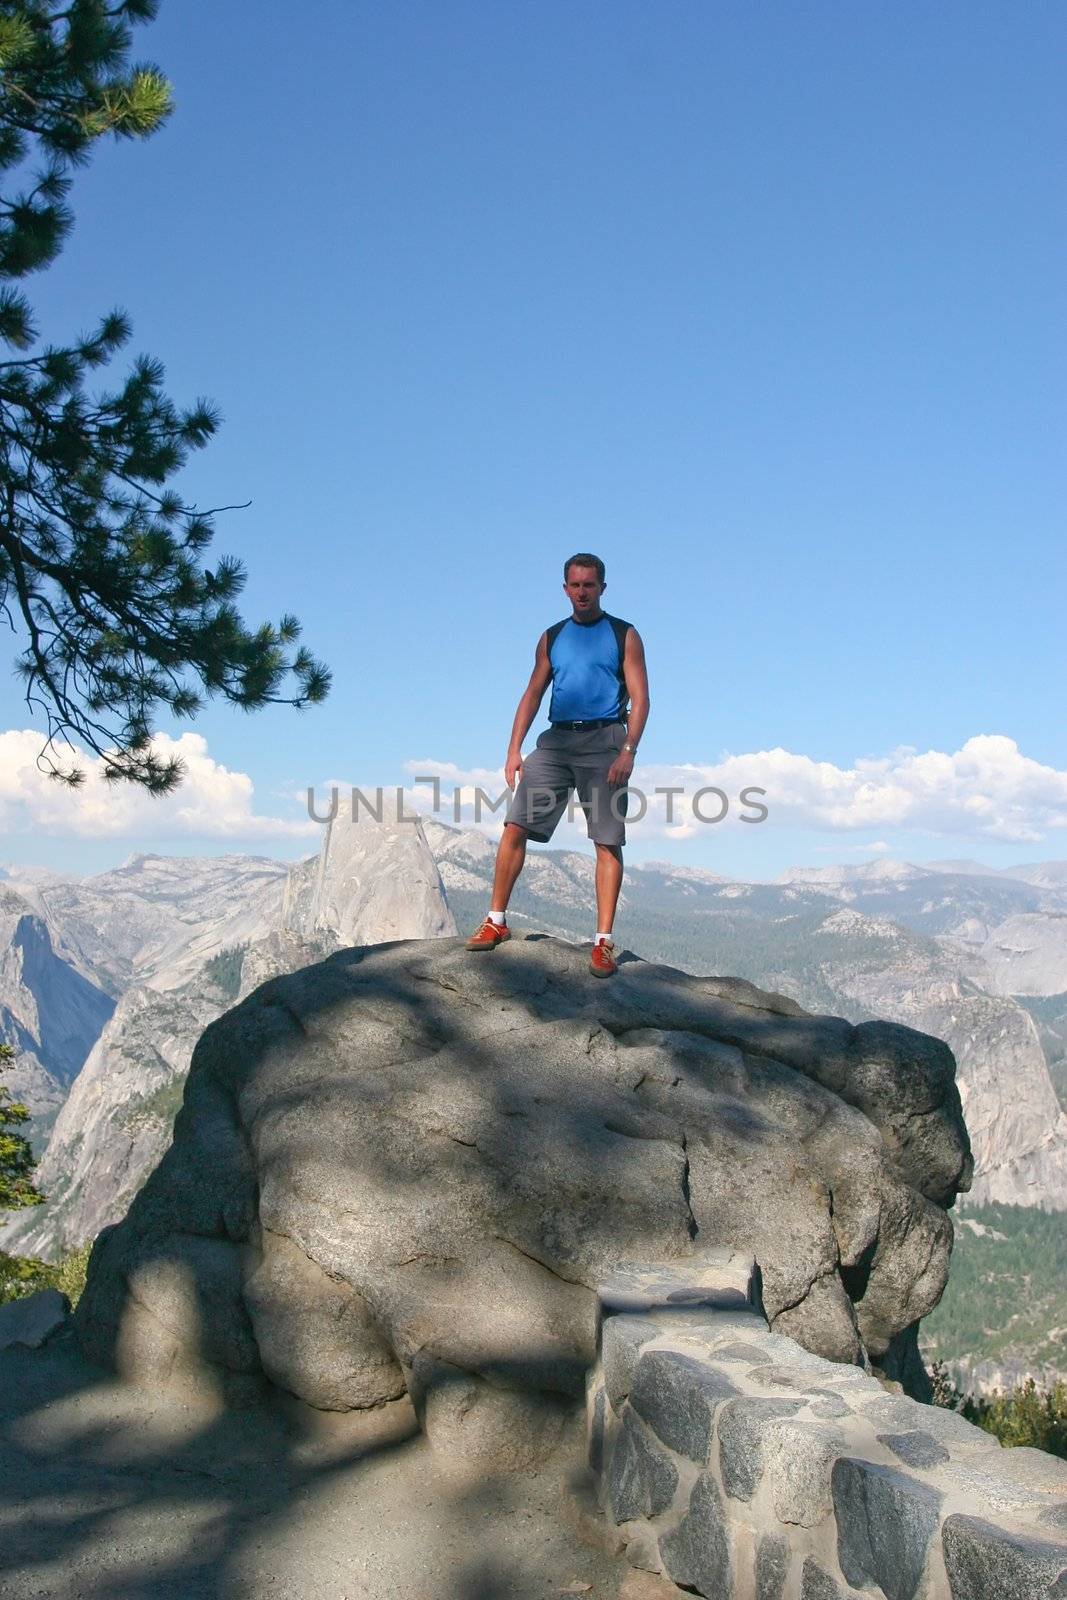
x: 985, y: 1562
x: 991, y: 1490
x: 917, y: 1449
x: 772, y: 1566
x: 885, y: 1522
x: 831, y: 1407
x: 788, y: 1356
x: 719, y: 1278
x: 642, y: 1478
x: 1035, y: 1469
x: 818, y: 1377
x: 1042, y: 1475
x: 712, y: 1328
x: 622, y: 1340
x: 678, y: 1396
x: 750, y: 1355
x: 894, y: 1413
x: 642, y: 1546
x: 743, y: 1435
x: 697, y: 1552
x: 818, y: 1585
x: 799, y: 1458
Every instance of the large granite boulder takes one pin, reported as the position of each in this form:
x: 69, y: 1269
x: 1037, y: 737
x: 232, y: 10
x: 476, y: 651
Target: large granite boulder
x: 408, y: 1167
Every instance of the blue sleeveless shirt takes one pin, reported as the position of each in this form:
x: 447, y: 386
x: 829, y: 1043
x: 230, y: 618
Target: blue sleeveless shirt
x: 587, y: 673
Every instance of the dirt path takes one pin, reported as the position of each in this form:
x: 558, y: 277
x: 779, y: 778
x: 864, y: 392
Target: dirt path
x: 107, y: 1493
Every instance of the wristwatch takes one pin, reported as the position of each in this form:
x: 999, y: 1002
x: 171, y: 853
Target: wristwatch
x: 631, y: 749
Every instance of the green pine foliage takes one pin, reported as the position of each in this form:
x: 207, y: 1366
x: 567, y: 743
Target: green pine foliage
x: 16, y: 1154
x: 224, y: 970
x: 25, y: 1275
x: 1025, y: 1415
x: 21, y: 1276
x: 101, y: 570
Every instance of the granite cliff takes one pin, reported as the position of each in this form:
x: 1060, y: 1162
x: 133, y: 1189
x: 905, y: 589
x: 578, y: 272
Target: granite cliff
x: 406, y: 1168
x: 52, y: 1008
x: 181, y: 941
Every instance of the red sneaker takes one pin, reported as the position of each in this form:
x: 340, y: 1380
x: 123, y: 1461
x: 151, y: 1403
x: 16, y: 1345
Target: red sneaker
x: 602, y: 961
x: 489, y: 935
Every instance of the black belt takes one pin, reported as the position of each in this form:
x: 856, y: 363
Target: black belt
x: 594, y: 722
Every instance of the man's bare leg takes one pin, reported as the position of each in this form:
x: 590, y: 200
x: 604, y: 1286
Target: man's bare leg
x: 608, y: 884
x: 510, y: 857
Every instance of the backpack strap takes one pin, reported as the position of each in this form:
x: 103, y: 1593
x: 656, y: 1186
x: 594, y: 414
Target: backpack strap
x: 620, y: 630
x: 550, y: 636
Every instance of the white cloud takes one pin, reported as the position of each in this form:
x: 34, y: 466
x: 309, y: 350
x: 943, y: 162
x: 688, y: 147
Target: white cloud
x: 210, y: 802
x: 987, y: 789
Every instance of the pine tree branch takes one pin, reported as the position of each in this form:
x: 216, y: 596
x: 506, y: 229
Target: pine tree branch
x: 100, y: 561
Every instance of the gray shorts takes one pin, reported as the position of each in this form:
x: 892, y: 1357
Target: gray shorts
x: 572, y: 760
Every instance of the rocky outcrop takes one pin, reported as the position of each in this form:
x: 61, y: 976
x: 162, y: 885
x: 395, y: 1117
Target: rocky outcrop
x: 880, y: 940
x: 34, y: 1319
x: 1025, y: 954
x: 998, y: 936
x: 1017, y: 1127
x: 410, y: 1166
x: 159, y: 918
x: 51, y: 1012
x: 119, y: 1117
x: 370, y: 881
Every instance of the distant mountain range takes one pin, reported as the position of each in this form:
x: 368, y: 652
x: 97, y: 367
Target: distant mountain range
x: 106, y: 982
x: 161, y: 946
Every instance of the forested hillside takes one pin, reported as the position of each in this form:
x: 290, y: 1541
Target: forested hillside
x: 1004, y: 1313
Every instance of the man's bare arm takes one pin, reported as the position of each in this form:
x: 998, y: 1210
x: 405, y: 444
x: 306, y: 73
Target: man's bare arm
x: 527, y: 709
x: 635, y: 673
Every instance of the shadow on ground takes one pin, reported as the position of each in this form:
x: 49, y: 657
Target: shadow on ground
x: 110, y: 1493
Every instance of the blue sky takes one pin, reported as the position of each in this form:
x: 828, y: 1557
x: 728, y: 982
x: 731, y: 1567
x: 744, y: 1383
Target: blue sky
x: 765, y: 304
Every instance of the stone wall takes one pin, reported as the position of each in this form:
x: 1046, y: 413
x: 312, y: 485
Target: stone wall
x: 742, y: 1467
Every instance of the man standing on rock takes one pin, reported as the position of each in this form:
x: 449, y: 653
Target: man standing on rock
x: 596, y: 666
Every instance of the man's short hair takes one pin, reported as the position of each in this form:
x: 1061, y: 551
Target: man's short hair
x: 584, y: 559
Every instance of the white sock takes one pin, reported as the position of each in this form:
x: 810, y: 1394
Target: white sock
x: 603, y: 938
x: 498, y: 918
